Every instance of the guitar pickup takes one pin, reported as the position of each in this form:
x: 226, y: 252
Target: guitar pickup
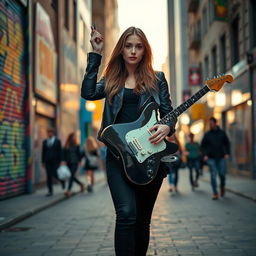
x: 137, y: 144
x: 133, y: 149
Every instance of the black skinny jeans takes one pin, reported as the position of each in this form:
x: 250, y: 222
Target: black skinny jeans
x: 134, y: 205
x: 73, y: 169
x: 193, y: 164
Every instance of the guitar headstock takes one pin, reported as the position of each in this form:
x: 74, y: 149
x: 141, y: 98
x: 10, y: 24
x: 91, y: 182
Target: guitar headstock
x: 216, y: 84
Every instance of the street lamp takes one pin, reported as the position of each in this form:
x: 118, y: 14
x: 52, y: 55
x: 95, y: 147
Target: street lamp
x: 220, y: 99
x: 184, y: 119
x: 236, y: 97
x: 90, y: 106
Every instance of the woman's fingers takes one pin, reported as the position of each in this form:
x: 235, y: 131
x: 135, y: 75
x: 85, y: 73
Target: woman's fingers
x: 158, y: 135
x: 158, y: 139
x: 95, y: 35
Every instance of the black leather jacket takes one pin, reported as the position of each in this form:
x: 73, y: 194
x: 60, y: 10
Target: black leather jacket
x: 93, y: 90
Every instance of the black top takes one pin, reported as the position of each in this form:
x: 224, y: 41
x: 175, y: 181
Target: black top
x: 72, y: 154
x: 129, y: 111
x: 215, y: 144
x: 91, y: 160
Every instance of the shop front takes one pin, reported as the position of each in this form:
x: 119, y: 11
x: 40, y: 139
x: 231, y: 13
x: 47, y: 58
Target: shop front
x: 45, y: 87
x: 238, y: 127
x: 13, y: 99
x: 236, y: 119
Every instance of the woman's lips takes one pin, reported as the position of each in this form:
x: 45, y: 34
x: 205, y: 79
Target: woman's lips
x: 132, y: 58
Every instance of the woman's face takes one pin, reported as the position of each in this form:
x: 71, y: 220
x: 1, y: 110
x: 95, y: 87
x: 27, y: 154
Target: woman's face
x: 133, y: 50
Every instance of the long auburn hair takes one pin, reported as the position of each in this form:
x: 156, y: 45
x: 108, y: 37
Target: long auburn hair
x: 116, y: 72
x: 71, y: 140
x: 91, y: 144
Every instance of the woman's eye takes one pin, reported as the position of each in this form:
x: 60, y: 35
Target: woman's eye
x: 127, y: 46
x: 139, y: 46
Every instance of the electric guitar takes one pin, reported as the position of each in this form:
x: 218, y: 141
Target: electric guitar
x: 129, y: 141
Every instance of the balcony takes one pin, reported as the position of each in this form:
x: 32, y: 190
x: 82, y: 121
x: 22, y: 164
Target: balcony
x: 193, y: 5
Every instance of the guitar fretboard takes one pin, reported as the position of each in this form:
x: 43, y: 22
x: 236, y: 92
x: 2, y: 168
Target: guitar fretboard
x: 184, y: 106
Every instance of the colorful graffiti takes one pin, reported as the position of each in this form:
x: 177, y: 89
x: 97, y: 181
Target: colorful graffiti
x: 13, y: 86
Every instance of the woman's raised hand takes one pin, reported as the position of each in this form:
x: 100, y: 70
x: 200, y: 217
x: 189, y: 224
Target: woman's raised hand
x: 96, y: 41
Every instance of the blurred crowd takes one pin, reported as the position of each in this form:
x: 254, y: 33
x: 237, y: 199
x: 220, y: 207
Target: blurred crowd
x: 213, y: 151
x: 63, y: 163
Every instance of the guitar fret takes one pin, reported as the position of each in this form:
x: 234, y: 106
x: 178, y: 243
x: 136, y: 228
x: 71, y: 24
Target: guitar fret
x: 184, y: 106
x: 190, y: 101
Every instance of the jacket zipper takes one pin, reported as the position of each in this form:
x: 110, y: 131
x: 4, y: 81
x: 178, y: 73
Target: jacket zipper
x: 144, y: 103
x: 118, y: 109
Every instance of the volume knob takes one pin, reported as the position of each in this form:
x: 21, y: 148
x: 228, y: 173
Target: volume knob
x: 143, y: 152
x: 150, y: 173
x: 151, y: 162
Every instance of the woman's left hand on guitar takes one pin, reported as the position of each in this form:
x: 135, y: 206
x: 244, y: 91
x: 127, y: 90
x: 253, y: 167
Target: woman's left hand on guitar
x: 159, y: 132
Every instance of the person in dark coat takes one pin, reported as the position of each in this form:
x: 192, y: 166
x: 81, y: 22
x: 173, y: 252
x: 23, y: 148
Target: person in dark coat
x: 51, y: 158
x: 216, y: 148
x: 72, y: 157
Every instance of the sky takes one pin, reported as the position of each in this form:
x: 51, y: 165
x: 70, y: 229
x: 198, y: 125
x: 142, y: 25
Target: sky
x: 151, y: 17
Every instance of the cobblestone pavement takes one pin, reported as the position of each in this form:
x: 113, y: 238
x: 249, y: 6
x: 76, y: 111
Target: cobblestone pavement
x: 185, y: 223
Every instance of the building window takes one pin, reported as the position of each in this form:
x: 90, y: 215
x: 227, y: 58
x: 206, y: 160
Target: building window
x: 204, y: 22
x: 206, y: 67
x: 235, y: 41
x: 82, y: 32
x: 74, y: 20
x: 66, y: 20
x: 211, y: 10
x: 223, y: 54
x: 55, y: 5
x: 214, y: 61
x: 253, y: 23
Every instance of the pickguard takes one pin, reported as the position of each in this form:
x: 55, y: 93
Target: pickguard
x: 137, y: 140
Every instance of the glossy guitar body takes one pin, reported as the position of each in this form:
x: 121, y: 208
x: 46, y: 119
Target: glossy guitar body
x: 129, y: 141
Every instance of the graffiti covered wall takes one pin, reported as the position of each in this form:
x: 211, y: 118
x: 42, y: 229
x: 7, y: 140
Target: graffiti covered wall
x: 13, y: 90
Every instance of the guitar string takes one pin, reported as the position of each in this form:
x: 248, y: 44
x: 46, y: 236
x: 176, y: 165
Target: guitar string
x: 179, y: 110
x: 184, y: 106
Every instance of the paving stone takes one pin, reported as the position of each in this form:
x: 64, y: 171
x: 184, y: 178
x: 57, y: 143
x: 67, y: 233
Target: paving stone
x: 183, y: 224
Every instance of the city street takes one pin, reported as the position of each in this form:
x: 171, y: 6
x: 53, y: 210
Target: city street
x: 186, y: 223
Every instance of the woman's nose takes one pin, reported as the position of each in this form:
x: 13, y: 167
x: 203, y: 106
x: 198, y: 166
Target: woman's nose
x: 133, y: 50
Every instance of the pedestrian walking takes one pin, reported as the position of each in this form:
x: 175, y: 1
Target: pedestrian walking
x: 193, y: 155
x: 128, y: 85
x: 51, y: 158
x: 91, y: 161
x: 72, y: 157
x: 216, y: 149
x: 173, y: 176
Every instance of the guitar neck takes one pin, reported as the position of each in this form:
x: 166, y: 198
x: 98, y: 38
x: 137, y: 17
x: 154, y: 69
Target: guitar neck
x: 184, y: 106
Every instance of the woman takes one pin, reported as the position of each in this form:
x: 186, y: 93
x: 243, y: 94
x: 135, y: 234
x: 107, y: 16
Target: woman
x: 128, y: 85
x: 91, y: 161
x: 72, y: 156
